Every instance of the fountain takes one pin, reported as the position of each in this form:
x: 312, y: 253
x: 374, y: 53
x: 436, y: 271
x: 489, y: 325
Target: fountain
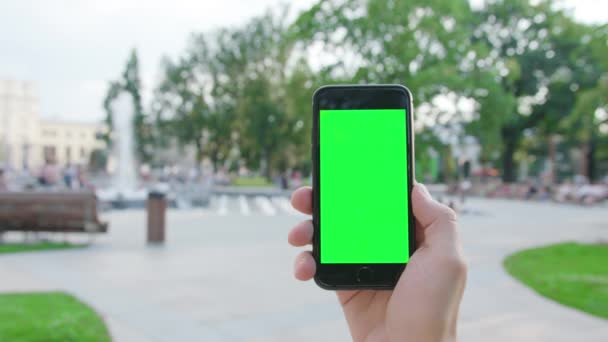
x: 123, y: 147
x: 124, y: 190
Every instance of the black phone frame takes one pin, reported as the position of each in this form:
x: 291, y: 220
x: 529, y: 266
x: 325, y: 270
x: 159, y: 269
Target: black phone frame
x: 382, y: 96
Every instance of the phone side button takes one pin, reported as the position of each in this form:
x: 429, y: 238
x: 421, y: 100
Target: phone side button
x: 365, y: 275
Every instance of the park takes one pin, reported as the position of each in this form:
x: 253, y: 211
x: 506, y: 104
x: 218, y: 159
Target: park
x: 166, y: 217
x: 211, y: 281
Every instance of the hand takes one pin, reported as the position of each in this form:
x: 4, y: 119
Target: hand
x: 424, y: 305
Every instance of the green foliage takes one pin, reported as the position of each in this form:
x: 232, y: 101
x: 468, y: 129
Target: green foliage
x: 143, y: 129
x: 571, y: 273
x: 252, y: 181
x: 32, y: 247
x: 417, y: 43
x: 114, y: 89
x: 234, y: 89
x: 241, y: 96
x: 583, y: 124
x: 50, y: 316
x: 181, y: 109
x: 130, y: 83
x: 543, y: 63
x: 98, y: 160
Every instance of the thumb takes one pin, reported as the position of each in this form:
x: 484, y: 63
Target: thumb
x: 428, y: 211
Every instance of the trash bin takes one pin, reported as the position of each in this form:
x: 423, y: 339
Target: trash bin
x: 156, y: 207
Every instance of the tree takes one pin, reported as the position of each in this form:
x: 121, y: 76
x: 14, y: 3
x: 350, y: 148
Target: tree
x: 141, y: 125
x: 232, y: 88
x: 299, y: 87
x: 426, y: 45
x: 375, y: 42
x: 270, y: 114
x: 130, y: 83
x: 587, y: 125
x: 180, y: 104
x: 254, y: 88
x: 526, y: 67
x: 114, y: 89
x: 584, y: 125
x: 540, y: 60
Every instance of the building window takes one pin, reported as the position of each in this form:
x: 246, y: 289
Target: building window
x: 49, y: 154
x: 49, y: 133
x: 82, y: 153
x: 68, y: 154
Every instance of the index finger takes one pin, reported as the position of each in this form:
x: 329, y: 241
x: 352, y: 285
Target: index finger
x: 301, y: 200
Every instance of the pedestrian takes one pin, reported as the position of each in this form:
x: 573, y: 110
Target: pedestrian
x: 49, y: 175
x: 531, y: 191
x: 465, y: 187
x: 81, y: 178
x: 296, y: 179
x: 425, y: 303
x: 284, y: 181
x: 3, y: 181
x: 68, y: 176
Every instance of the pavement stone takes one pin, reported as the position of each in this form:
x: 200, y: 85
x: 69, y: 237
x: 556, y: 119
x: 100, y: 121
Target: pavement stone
x: 226, y: 276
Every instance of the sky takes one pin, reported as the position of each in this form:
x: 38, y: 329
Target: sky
x: 71, y: 48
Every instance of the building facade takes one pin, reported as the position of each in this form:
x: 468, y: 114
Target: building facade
x: 28, y: 141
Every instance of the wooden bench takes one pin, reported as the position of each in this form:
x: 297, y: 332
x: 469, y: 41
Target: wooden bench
x: 66, y: 212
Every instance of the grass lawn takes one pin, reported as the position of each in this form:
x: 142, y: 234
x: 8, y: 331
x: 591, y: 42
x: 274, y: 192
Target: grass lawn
x: 570, y: 273
x: 38, y: 246
x: 251, y: 181
x: 49, y: 317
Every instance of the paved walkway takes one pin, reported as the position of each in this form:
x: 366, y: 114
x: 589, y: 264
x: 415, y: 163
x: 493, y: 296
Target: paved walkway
x: 226, y: 276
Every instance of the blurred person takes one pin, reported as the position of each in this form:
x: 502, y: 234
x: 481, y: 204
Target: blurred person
x: 425, y: 303
x: 221, y: 177
x: 465, y: 187
x: 531, y: 191
x: 546, y: 192
x: 69, y: 174
x: 605, y: 187
x: 145, y: 173
x: 564, y: 192
x: 49, y: 175
x: 284, y: 180
x: 589, y: 194
x: 3, y: 181
x: 81, y: 180
x: 192, y: 175
x: 296, y: 179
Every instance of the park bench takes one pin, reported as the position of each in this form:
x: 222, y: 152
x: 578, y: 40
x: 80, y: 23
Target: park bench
x: 65, y: 212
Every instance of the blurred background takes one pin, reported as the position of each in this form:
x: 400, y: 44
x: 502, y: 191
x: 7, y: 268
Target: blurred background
x: 148, y: 150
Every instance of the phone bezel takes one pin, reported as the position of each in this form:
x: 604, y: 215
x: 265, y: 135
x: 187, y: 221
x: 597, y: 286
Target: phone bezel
x: 345, y: 276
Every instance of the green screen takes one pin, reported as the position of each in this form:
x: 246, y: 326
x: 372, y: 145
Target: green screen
x: 364, y: 190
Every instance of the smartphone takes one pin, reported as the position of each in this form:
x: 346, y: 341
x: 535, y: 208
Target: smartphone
x: 363, y: 162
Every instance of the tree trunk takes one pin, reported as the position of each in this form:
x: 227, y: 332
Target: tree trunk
x: 508, y: 162
x: 551, y: 155
x: 583, y: 167
x: 590, y: 157
x: 199, y: 151
x: 214, y: 160
x: 268, y: 169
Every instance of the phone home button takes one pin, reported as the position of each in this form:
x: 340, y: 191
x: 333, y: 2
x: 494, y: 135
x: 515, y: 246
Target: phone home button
x: 365, y: 275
